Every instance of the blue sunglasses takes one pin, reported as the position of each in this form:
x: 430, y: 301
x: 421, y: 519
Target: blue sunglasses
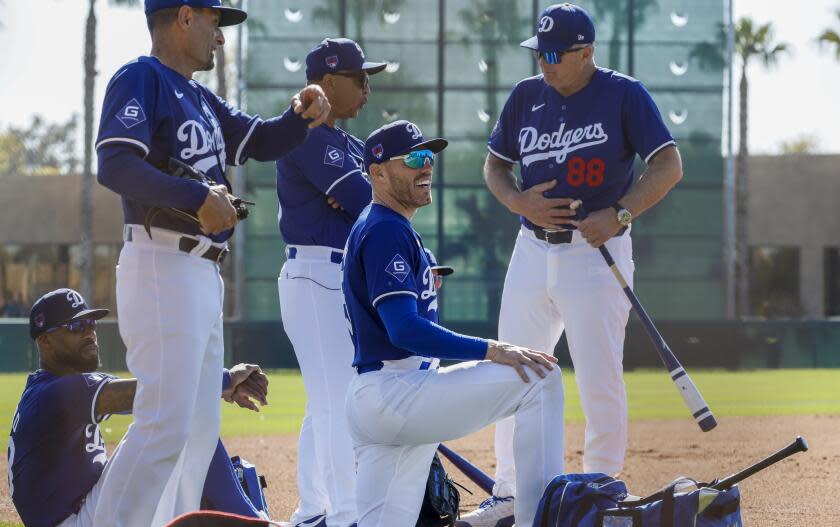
x: 554, y: 57
x: 417, y: 159
x: 75, y: 326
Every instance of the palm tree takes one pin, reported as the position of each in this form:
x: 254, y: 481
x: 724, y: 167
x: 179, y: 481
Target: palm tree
x: 831, y: 37
x: 86, y: 227
x: 751, y: 42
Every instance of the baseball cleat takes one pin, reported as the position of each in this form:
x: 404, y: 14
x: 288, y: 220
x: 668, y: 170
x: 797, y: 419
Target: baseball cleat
x: 315, y: 521
x: 493, y: 512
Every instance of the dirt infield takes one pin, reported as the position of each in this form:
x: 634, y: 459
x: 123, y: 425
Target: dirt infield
x: 799, y: 491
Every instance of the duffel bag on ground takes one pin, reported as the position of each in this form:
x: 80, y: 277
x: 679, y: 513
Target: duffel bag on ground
x: 598, y: 500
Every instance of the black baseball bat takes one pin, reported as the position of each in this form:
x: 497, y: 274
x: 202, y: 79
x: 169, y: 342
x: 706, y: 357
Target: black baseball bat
x: 798, y: 445
x: 689, y: 392
x: 475, y: 474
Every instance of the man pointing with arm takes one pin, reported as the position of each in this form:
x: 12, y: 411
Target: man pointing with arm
x: 169, y: 290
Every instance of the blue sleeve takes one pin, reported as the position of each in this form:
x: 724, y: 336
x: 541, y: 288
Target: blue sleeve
x: 226, y: 380
x: 644, y: 128
x: 332, y: 171
x: 390, y: 258
x: 503, y: 142
x: 123, y: 170
x: 248, y: 137
x: 409, y: 331
x: 76, y: 396
x: 129, y: 111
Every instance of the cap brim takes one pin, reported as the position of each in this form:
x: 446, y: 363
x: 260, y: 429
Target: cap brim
x: 435, y: 145
x: 94, y: 314
x: 534, y: 44
x: 531, y: 43
x: 442, y: 270
x: 372, y: 68
x: 230, y: 16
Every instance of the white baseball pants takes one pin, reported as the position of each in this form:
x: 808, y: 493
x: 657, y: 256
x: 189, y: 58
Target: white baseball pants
x: 169, y: 305
x: 552, y: 288
x: 399, y: 414
x: 311, y: 304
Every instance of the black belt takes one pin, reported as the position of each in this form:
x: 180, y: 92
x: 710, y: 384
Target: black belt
x: 214, y: 253
x: 556, y: 237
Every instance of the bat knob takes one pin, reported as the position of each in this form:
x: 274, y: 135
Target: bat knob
x: 801, y: 444
x: 708, y: 423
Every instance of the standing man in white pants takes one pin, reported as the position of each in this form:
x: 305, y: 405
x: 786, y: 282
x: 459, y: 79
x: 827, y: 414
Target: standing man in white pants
x: 322, y: 188
x: 400, y: 405
x: 169, y: 291
x: 575, y: 130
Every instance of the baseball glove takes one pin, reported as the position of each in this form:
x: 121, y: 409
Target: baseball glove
x: 440, y: 504
x: 180, y: 169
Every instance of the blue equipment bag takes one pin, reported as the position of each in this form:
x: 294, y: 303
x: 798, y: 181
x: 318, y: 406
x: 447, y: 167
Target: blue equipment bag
x: 252, y: 483
x: 598, y: 500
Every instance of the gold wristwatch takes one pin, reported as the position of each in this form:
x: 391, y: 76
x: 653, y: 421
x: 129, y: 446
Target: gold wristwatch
x: 622, y: 215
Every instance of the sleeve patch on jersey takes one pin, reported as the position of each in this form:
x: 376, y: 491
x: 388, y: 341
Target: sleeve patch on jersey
x: 131, y: 114
x: 397, y: 268
x: 92, y: 379
x: 334, y: 157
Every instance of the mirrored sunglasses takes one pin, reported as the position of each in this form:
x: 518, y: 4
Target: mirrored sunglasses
x: 418, y: 158
x: 554, y: 57
x: 76, y: 326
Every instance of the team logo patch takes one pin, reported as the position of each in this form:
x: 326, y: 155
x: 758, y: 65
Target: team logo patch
x: 40, y: 320
x: 332, y: 61
x: 377, y: 151
x: 397, y: 268
x: 92, y: 379
x: 131, y: 114
x: 75, y: 299
x: 334, y: 157
x: 414, y: 131
x: 546, y: 24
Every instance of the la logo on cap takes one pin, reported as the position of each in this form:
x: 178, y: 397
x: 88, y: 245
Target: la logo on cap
x: 546, y: 24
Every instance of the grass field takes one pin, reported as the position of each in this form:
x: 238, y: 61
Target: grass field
x: 651, y: 396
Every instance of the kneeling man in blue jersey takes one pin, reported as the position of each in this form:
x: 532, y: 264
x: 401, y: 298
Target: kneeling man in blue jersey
x: 56, y: 452
x: 400, y: 405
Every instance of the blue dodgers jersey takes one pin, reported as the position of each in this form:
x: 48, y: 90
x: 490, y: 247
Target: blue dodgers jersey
x: 328, y: 163
x: 56, y: 453
x: 157, y: 110
x: 588, y: 141
x: 384, y: 256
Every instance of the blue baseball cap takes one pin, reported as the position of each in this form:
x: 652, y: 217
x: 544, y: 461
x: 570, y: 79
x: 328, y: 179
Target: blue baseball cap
x: 560, y: 27
x: 338, y: 54
x: 59, y: 307
x: 396, y: 139
x: 230, y: 16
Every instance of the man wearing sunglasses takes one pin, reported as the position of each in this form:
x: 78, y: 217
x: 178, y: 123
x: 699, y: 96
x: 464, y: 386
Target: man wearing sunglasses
x: 400, y: 405
x: 322, y: 188
x: 56, y: 452
x: 575, y: 131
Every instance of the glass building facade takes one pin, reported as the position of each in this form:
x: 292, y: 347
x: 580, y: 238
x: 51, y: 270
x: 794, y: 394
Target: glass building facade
x: 452, y: 64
